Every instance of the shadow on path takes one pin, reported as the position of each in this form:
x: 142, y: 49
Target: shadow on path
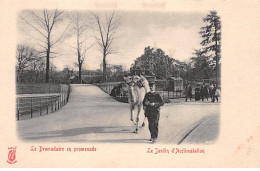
x: 137, y: 141
x: 78, y: 131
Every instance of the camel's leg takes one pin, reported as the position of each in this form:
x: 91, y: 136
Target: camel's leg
x: 132, y: 114
x: 143, y: 123
x: 137, y: 118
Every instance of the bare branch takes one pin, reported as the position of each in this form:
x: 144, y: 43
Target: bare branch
x: 55, y: 16
x: 110, y: 42
x: 58, y: 13
x: 99, y: 43
x: 61, y: 35
x: 39, y: 20
x: 44, y: 47
x: 35, y: 38
x: 46, y: 19
x: 84, y: 53
x: 86, y: 49
x: 33, y: 27
x: 71, y: 46
x: 82, y: 41
x: 111, y: 51
x: 109, y: 27
x: 100, y: 30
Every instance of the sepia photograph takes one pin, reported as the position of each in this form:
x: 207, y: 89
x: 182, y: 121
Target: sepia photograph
x: 118, y: 76
x: 129, y: 84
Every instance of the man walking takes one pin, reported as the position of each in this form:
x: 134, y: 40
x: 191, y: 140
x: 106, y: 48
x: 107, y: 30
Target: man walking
x: 213, y: 92
x: 204, y: 92
x: 188, y: 92
x: 197, y: 93
x: 152, y: 103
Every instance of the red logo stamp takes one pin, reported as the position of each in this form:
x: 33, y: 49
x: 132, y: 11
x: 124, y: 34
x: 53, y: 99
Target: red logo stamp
x: 11, y: 155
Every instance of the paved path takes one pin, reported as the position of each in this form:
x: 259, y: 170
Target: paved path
x: 93, y: 116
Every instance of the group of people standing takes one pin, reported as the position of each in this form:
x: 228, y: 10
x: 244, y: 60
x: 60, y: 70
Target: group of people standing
x: 203, y: 92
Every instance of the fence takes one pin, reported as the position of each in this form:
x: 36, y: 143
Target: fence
x: 37, y: 88
x: 29, y: 106
x: 107, y: 87
x: 167, y: 89
x: 194, y: 82
x: 164, y: 87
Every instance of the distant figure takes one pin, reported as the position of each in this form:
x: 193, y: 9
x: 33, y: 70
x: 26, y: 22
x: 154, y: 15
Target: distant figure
x: 197, y: 93
x: 188, y: 92
x: 204, y: 92
x: 217, y: 94
x: 119, y: 90
x: 113, y: 92
x: 213, y: 92
x: 152, y: 103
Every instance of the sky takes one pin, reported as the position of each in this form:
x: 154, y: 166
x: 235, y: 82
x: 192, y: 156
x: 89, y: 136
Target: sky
x: 177, y: 34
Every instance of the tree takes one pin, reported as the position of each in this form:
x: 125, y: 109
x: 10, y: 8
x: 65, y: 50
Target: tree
x: 54, y: 74
x: 80, y: 27
x: 107, y: 34
x: 201, y: 66
x: 37, y: 66
x: 66, y: 74
x: 118, y: 70
x: 30, y: 65
x: 24, y: 56
x: 211, y: 35
x: 155, y: 61
x: 43, y: 23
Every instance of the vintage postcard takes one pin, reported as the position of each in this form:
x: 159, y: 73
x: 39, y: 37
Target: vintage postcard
x: 129, y: 84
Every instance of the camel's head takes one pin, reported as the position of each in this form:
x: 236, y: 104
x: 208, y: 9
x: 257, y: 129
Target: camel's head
x: 132, y: 80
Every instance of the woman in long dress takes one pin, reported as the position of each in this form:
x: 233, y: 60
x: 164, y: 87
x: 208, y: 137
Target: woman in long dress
x: 197, y: 93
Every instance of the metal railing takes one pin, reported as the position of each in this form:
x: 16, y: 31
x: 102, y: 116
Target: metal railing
x: 167, y: 90
x: 162, y: 87
x: 122, y: 96
x: 107, y: 87
x: 33, y: 105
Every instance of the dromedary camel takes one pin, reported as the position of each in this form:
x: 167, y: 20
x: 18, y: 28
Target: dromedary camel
x: 138, y: 86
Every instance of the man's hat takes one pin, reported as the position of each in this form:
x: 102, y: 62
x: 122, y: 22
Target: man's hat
x: 151, y: 83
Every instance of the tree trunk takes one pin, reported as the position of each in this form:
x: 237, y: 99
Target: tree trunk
x: 104, y: 67
x: 48, y: 61
x: 216, y: 53
x: 47, y: 68
x: 79, y: 55
x: 80, y: 64
x: 36, y: 77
